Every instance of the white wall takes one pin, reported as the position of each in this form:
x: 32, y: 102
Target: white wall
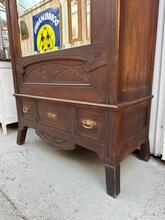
x: 157, y: 125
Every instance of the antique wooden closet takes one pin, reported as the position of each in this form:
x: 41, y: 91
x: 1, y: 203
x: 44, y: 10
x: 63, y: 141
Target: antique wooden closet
x: 102, y: 100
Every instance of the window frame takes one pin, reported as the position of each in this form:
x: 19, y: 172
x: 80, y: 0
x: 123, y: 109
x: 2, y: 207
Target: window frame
x: 79, y: 38
x: 3, y: 56
x: 88, y: 34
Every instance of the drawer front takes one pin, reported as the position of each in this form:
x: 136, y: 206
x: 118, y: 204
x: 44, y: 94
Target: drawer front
x: 55, y: 115
x: 27, y: 108
x: 90, y: 124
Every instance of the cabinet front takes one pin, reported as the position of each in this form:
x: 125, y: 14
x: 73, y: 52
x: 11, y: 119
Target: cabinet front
x: 60, y: 48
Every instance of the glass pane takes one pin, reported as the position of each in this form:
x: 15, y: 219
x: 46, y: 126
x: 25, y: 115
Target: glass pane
x: 4, y: 39
x: 74, y: 19
x: 52, y: 25
x: 88, y: 18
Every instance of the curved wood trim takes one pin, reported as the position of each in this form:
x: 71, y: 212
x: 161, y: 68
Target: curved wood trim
x: 57, y: 142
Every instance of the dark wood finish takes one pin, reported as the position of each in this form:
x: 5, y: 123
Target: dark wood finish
x: 56, y: 116
x: 136, y: 37
x: 21, y: 135
x: 145, y: 151
x: 113, y: 180
x: 96, y: 96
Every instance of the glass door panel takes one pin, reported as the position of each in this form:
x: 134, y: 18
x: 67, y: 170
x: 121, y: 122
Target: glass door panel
x: 53, y: 25
x: 4, y: 39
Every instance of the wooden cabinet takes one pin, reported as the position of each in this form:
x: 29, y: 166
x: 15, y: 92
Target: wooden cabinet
x: 93, y: 91
x: 8, y: 113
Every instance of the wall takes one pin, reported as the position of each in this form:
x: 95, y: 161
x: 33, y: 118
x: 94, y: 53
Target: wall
x: 157, y: 124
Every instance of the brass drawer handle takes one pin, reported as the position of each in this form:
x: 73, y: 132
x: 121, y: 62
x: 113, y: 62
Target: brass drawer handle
x: 52, y: 115
x: 26, y: 109
x: 88, y: 124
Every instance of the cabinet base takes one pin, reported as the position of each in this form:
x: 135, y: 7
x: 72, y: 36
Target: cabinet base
x: 112, y: 173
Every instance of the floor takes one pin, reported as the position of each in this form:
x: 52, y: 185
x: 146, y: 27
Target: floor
x: 38, y: 182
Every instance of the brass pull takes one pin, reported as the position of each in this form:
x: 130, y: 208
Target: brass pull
x: 88, y: 124
x: 52, y: 115
x: 26, y: 109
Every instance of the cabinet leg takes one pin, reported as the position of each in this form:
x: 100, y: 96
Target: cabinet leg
x: 113, y: 180
x: 145, y: 151
x: 21, y: 135
x: 4, y: 128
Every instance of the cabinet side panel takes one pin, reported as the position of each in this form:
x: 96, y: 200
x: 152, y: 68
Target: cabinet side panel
x: 133, y: 129
x: 137, y: 45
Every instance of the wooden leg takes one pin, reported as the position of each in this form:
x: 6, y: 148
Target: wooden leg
x: 145, y: 151
x: 21, y: 135
x: 113, y: 180
x: 4, y: 128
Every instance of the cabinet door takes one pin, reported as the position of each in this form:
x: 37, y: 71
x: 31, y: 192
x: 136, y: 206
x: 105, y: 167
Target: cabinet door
x: 8, y: 104
x: 60, y: 48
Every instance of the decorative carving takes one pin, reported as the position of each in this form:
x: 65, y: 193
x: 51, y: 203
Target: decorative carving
x: 98, y: 58
x: 56, y: 141
x: 62, y: 71
x: 67, y: 70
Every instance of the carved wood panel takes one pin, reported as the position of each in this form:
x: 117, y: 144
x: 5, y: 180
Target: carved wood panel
x: 63, y: 69
x: 80, y: 73
x: 60, y: 71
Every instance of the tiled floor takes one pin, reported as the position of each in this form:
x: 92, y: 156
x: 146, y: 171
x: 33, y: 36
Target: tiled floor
x: 38, y: 182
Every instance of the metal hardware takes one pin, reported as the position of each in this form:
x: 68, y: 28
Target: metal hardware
x: 26, y: 109
x: 52, y: 115
x: 88, y: 124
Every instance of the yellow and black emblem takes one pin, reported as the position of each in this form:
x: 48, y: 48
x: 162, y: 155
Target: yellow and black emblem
x: 46, y: 39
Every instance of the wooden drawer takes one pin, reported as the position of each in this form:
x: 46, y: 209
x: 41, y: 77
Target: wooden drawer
x: 55, y: 115
x: 27, y: 110
x: 90, y: 124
